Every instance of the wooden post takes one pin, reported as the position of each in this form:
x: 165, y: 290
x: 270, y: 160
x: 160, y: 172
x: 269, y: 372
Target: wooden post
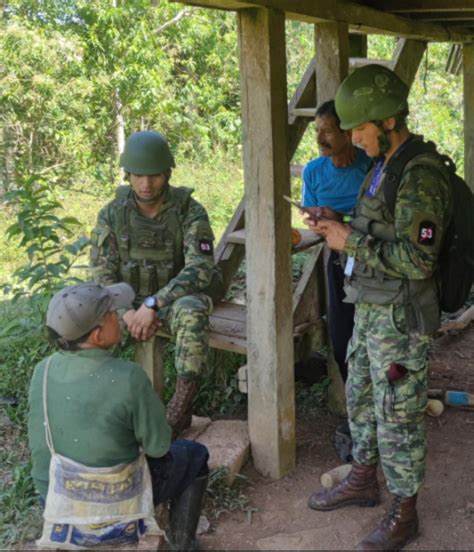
x: 332, y: 65
x: 150, y: 355
x: 269, y: 302
x: 468, y: 70
x: 358, y: 45
x: 332, y: 58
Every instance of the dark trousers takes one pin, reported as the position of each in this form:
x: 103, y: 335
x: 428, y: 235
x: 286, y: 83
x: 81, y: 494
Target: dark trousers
x: 341, y: 315
x: 172, y: 473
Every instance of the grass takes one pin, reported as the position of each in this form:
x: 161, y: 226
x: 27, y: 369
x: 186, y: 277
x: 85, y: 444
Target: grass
x: 222, y: 497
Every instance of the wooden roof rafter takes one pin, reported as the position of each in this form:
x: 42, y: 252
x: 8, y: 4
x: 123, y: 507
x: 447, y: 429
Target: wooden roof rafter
x: 358, y: 16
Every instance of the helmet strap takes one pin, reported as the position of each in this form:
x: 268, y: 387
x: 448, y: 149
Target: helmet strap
x: 384, y: 142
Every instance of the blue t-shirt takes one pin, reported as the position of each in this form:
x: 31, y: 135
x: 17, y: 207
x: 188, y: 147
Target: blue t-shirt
x: 325, y: 185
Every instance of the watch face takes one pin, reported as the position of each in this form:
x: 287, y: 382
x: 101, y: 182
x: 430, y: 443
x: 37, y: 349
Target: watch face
x: 150, y: 302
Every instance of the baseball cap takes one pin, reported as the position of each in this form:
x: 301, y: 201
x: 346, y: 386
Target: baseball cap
x: 76, y: 310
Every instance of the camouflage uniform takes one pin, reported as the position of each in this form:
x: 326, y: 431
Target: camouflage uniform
x: 169, y: 256
x: 394, y: 286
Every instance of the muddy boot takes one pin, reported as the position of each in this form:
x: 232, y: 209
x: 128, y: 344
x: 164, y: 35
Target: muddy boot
x: 180, y: 408
x: 397, y: 529
x: 360, y: 487
x: 184, y: 516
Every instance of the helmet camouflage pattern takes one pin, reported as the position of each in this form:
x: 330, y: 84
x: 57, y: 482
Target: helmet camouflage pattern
x: 146, y: 152
x: 370, y: 93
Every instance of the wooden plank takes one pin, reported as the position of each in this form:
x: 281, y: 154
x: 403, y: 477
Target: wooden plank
x: 308, y: 239
x: 232, y: 328
x: 407, y: 58
x: 267, y: 178
x: 332, y: 58
x: 410, y: 6
x: 227, y: 343
x: 230, y: 311
x: 360, y: 18
x: 229, y: 256
x: 303, y: 98
x: 307, y: 296
x: 468, y: 71
x: 309, y: 112
x: 355, y: 62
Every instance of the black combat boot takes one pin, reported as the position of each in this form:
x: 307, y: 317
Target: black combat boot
x: 184, y: 515
x: 397, y: 529
x: 179, y: 412
x: 360, y: 487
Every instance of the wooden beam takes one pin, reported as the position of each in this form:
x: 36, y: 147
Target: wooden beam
x: 468, y: 69
x: 402, y: 6
x: 407, y: 58
x: 269, y: 303
x: 359, y: 17
x: 332, y: 58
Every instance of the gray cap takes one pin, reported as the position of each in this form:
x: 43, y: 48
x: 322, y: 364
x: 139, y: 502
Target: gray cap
x: 76, y: 310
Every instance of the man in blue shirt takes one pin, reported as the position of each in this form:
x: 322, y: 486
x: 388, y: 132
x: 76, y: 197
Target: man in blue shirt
x: 333, y: 181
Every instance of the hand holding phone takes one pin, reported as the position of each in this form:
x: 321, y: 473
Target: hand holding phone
x: 313, y: 216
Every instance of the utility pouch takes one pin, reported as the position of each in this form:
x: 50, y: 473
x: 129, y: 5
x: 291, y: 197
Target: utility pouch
x: 130, y: 273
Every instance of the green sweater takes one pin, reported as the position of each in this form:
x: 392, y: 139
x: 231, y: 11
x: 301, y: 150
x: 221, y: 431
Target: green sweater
x: 101, y: 411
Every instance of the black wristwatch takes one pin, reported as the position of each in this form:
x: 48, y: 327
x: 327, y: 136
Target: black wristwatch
x: 151, y: 302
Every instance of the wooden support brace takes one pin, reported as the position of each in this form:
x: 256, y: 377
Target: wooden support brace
x: 267, y: 178
x: 407, y: 58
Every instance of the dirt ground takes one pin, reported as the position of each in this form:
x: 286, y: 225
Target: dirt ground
x: 446, y: 503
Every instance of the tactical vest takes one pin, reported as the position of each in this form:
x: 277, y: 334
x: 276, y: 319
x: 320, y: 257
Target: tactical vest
x: 368, y: 285
x: 151, y: 250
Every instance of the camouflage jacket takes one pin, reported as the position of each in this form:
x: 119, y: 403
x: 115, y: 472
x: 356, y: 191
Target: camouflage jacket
x: 168, y: 256
x: 396, y: 255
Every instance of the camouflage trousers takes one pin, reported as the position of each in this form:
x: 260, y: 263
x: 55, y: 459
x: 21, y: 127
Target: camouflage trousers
x: 387, y: 418
x: 187, y: 320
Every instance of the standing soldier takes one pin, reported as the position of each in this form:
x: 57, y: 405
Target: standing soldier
x: 391, y: 276
x: 158, y: 239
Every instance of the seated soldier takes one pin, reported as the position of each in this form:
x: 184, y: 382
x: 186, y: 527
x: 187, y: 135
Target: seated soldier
x: 158, y: 239
x: 102, y: 410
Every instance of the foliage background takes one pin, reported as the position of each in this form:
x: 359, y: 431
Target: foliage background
x: 76, y: 76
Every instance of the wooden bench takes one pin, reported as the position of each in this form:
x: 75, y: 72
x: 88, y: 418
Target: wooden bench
x: 228, y: 321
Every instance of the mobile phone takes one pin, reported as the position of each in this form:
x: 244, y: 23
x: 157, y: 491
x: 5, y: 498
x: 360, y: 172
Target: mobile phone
x: 304, y: 209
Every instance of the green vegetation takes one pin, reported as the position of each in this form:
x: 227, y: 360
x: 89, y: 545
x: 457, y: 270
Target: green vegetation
x: 77, y: 76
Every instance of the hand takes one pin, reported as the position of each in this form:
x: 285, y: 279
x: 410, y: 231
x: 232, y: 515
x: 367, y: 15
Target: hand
x: 144, y: 324
x: 128, y: 317
x: 334, y: 232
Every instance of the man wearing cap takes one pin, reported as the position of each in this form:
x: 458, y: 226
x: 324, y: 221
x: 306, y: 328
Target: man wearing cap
x: 158, y: 239
x: 391, y: 276
x: 103, y: 410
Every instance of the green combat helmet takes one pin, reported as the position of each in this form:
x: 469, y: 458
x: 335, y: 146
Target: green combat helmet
x: 371, y: 93
x: 146, y: 153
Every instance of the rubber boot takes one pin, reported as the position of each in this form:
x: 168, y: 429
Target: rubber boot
x: 180, y: 408
x: 360, y: 487
x: 397, y: 529
x: 184, y: 515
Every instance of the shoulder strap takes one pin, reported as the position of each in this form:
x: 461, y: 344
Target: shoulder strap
x: 395, y: 167
x: 47, y: 428
x: 122, y: 196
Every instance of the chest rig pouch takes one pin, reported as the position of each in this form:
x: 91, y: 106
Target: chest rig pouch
x: 369, y: 285
x: 151, y: 250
